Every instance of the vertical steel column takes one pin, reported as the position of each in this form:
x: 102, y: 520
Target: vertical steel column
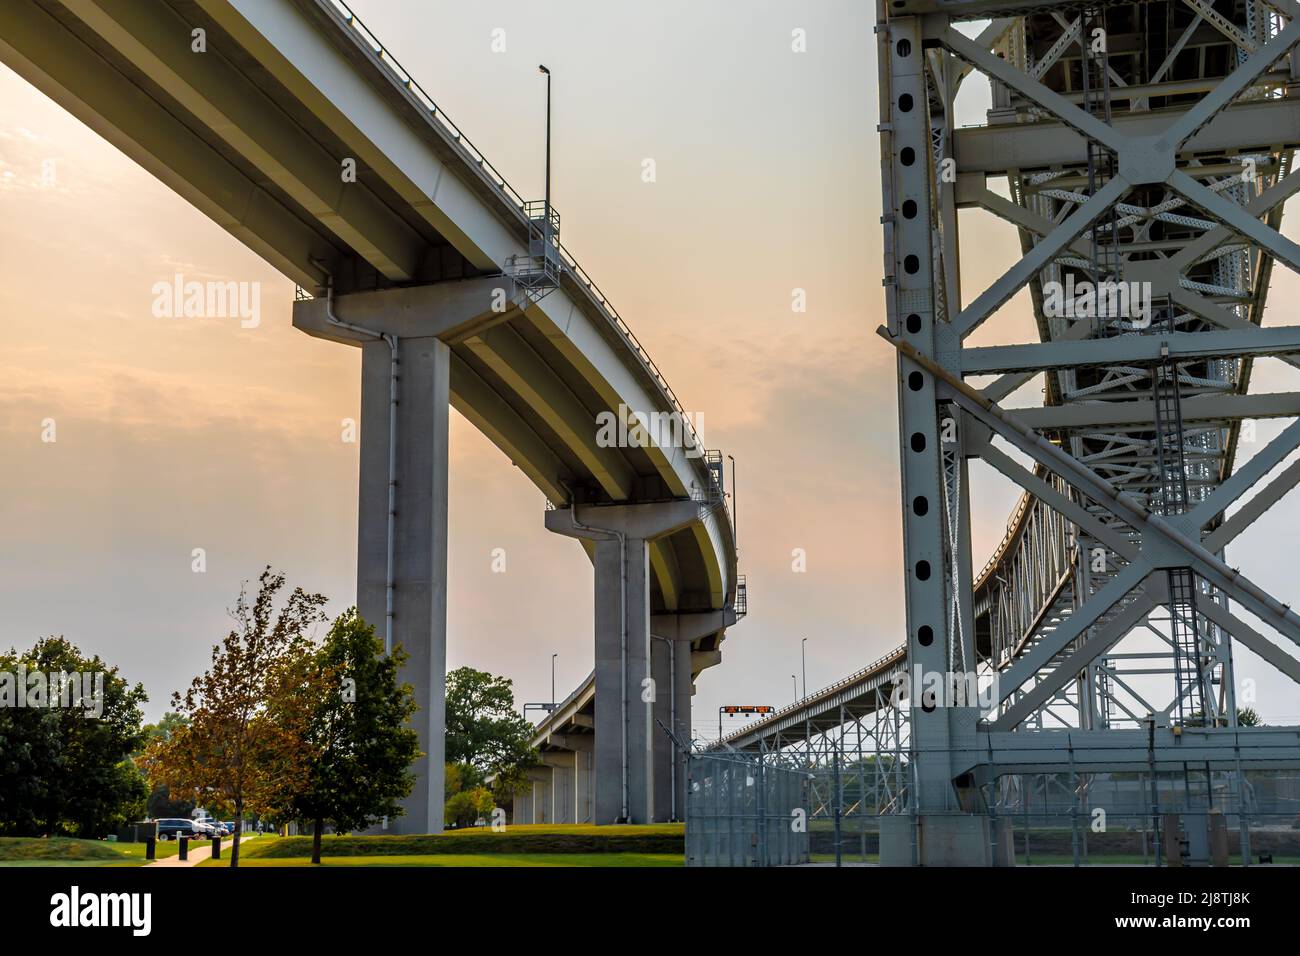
x: 909, y: 207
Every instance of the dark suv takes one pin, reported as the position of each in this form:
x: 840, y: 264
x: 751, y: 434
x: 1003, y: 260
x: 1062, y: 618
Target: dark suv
x: 172, y: 829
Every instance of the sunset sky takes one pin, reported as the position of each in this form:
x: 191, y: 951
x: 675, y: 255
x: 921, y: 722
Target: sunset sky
x: 177, y: 434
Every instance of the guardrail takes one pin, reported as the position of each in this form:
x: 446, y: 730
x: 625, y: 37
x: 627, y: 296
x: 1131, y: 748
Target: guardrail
x: 574, y: 695
x: 898, y: 653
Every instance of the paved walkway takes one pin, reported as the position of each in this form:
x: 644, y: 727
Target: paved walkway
x: 201, y: 851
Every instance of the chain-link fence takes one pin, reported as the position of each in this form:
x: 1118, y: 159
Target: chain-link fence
x: 744, y: 810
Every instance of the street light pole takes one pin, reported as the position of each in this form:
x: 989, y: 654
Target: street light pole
x: 546, y: 225
x: 553, y: 701
x: 735, y: 509
x: 803, y: 661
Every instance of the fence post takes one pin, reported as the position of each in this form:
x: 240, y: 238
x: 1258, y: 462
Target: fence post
x: 839, y: 799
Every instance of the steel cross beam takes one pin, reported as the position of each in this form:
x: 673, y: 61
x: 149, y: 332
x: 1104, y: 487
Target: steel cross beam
x: 1074, y: 663
x: 1130, y: 350
x: 1143, y: 160
x: 1170, y: 542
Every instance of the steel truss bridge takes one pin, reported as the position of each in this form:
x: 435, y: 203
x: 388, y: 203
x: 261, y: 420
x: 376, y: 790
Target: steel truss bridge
x: 1142, y: 148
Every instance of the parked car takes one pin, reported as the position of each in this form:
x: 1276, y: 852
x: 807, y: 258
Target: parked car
x: 174, y: 828
x: 205, y: 830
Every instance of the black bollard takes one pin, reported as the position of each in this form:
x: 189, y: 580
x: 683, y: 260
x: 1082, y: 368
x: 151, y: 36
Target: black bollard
x: 150, y: 848
x: 184, y: 853
x: 216, y: 848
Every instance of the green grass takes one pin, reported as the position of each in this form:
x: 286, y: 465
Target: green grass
x: 620, y: 860
x: 162, y: 849
x: 653, y: 839
x: 575, y: 829
x: 63, y: 851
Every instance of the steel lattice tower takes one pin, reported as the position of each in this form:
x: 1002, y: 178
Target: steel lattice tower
x: 1143, y: 152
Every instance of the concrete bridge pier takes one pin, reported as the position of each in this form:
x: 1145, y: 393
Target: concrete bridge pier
x: 562, y: 784
x: 403, y: 332
x: 671, y: 659
x: 628, y: 692
x: 420, y: 587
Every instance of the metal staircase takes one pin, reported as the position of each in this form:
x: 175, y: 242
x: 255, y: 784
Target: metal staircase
x: 1107, y: 265
x: 1171, y: 498
x: 539, y: 272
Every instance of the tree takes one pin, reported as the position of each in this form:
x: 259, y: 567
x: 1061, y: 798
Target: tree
x: 466, y: 796
x: 161, y: 803
x: 65, y: 764
x: 166, y: 726
x: 464, y: 809
x: 483, y: 729
x: 1246, y: 717
x: 359, y: 743
x: 243, y: 748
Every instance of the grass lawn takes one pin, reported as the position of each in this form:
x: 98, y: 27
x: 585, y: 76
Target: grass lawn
x: 574, y: 829
x: 535, y: 845
x: 540, y: 839
x: 62, y: 851
x: 162, y: 849
x: 620, y: 860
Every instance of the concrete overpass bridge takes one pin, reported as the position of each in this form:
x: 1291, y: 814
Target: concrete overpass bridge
x: 291, y: 126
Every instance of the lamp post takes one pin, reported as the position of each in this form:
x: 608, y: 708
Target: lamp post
x: 546, y: 223
x: 794, y: 686
x: 803, y: 661
x: 553, y: 701
x: 735, y: 509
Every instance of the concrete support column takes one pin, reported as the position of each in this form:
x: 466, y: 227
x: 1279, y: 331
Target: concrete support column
x: 421, y: 319
x: 523, y: 806
x: 663, y: 655
x: 583, y: 785
x: 624, y: 772
x: 683, y: 690
x: 626, y: 694
x: 675, y: 671
x: 563, y: 803
x: 540, y: 789
x: 420, y: 559
x: 671, y: 665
